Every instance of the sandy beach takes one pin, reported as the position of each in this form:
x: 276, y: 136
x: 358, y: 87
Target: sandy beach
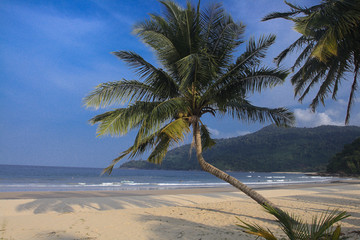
x: 166, y: 214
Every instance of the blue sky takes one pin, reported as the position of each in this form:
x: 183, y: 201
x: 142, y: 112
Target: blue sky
x: 55, y: 52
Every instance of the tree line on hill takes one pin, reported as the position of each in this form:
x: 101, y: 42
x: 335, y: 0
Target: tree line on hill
x: 347, y: 161
x: 269, y: 149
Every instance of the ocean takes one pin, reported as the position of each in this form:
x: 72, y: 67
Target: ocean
x: 38, y: 178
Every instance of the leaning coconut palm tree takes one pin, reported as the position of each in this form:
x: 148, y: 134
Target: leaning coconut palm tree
x: 330, y: 48
x: 198, y: 77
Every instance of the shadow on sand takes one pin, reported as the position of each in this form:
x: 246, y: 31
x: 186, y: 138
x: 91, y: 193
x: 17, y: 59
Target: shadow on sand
x: 62, y: 203
x: 67, y: 205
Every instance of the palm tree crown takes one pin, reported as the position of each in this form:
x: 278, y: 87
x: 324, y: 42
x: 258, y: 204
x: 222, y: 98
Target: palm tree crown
x: 330, y: 48
x: 199, y: 75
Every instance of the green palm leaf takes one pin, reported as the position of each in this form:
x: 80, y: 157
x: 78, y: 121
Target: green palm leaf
x: 206, y: 140
x: 330, y: 48
x: 257, y: 230
x: 280, y: 116
x: 296, y: 229
x: 119, y: 93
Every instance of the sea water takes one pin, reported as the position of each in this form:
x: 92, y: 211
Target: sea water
x: 38, y: 178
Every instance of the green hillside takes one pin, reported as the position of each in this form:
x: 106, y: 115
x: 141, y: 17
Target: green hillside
x: 347, y: 161
x: 269, y: 149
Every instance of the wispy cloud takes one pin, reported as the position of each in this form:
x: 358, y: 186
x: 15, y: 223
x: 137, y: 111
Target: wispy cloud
x: 305, y: 117
x: 242, y: 133
x: 51, y: 25
x: 233, y: 134
x: 217, y: 134
x: 214, y: 132
x: 120, y: 16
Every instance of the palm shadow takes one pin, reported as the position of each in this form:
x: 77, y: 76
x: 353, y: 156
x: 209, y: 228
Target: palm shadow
x: 238, y: 215
x: 69, y: 205
x: 61, y: 235
x: 63, y: 202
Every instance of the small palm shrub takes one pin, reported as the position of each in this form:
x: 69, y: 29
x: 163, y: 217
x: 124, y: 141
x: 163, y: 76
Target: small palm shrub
x: 320, y: 228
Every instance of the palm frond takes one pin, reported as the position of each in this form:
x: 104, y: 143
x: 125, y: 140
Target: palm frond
x: 247, y: 112
x: 139, y: 147
x: 290, y: 224
x: 253, y: 80
x: 206, y: 140
x: 163, y: 46
x: 159, y: 141
x: 141, y: 67
x: 173, y: 132
x: 302, y: 56
x: 311, y: 69
x: 325, y: 88
x: 255, y: 51
x: 160, y: 114
x: 250, y: 59
x: 297, y: 44
x: 187, y: 70
x: 160, y: 150
x: 326, y: 47
x: 321, y: 226
x: 173, y: 11
x: 121, y: 121
x: 225, y: 37
x: 177, y: 130
x: 108, y: 170
x: 300, y: 86
x: 274, y: 15
x: 286, y: 15
x: 118, y: 93
x: 256, y: 80
x: 211, y: 18
x: 257, y: 230
x: 163, y: 85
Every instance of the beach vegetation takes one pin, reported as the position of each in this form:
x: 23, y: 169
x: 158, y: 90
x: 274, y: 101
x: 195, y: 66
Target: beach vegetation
x: 329, y: 49
x: 347, y: 161
x: 320, y: 228
x: 199, y: 75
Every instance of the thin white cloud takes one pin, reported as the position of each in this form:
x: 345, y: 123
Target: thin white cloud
x: 232, y: 134
x: 242, y: 133
x: 305, y: 117
x: 115, y: 13
x: 48, y: 24
x: 217, y: 134
x: 214, y: 132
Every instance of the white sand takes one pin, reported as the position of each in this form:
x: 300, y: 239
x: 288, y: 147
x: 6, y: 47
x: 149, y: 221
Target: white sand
x: 161, y: 215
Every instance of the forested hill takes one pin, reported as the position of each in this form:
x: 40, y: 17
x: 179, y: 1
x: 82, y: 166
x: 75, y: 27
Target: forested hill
x: 347, y: 161
x: 269, y: 149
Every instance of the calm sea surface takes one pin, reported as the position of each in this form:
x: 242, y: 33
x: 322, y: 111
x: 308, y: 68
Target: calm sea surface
x: 36, y: 178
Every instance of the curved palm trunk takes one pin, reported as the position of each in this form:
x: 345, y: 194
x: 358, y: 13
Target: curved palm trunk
x: 224, y: 176
x: 353, y: 90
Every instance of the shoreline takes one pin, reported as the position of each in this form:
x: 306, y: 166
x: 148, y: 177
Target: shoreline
x: 122, y: 193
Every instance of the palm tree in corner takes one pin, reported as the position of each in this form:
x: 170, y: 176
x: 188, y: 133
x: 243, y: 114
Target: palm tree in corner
x: 198, y: 77
x: 330, y: 48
